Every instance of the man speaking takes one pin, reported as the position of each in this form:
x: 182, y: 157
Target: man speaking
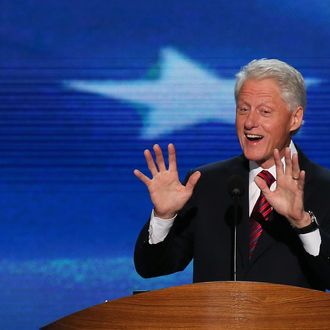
x: 284, y: 215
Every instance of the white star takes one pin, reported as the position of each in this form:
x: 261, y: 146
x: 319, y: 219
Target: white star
x: 185, y: 94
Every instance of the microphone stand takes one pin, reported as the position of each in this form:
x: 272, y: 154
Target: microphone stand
x: 236, y: 196
x: 236, y: 190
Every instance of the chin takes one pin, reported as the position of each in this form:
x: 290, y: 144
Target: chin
x: 259, y: 159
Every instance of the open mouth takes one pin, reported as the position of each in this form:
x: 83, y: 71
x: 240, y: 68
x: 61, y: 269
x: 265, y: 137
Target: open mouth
x: 253, y: 137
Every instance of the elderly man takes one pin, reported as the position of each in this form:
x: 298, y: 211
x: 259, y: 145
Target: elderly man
x: 285, y: 213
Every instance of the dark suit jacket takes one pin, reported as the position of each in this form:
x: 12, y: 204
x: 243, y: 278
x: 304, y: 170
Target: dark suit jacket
x: 203, y: 231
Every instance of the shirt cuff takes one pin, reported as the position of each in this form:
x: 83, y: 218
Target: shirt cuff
x: 159, y: 228
x: 311, y: 242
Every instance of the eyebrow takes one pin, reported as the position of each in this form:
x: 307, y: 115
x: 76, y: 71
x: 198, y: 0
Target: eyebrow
x: 264, y: 104
x: 267, y: 103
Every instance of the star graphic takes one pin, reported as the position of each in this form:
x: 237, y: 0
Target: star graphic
x: 184, y: 94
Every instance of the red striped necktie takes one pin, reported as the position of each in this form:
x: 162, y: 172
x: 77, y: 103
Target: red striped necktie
x: 261, y: 212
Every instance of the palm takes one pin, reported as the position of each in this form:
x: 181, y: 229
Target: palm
x: 167, y: 193
x: 287, y: 199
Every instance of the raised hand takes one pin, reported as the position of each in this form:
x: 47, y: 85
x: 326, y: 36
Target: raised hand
x: 288, y: 197
x: 167, y: 193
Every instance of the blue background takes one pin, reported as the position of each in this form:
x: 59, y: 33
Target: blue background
x: 81, y: 83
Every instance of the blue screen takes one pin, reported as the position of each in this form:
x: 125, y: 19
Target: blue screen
x: 86, y: 86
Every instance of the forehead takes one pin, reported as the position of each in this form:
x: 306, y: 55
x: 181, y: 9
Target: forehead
x: 264, y: 89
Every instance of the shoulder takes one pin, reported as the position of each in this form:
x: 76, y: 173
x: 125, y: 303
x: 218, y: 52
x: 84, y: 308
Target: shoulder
x: 315, y: 173
x: 317, y: 189
x: 235, y: 165
x: 212, y: 185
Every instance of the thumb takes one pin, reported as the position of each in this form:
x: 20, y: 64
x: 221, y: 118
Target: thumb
x: 262, y: 185
x: 193, y: 179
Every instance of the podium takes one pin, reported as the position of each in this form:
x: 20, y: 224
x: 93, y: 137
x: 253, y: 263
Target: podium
x: 211, y: 305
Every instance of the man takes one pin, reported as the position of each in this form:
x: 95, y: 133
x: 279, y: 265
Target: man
x: 283, y: 232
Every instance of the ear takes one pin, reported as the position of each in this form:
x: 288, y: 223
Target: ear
x: 296, y: 120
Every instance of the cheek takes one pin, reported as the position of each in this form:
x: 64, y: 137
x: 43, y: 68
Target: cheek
x: 277, y: 133
x: 239, y: 123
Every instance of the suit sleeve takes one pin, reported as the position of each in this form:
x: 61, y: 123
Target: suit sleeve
x: 169, y: 256
x: 320, y: 265
x: 317, y: 200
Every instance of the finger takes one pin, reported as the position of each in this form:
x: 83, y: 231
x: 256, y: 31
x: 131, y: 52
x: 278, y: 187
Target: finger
x: 278, y: 164
x: 159, y: 158
x: 193, y: 179
x: 288, y: 162
x: 262, y: 185
x: 172, y: 158
x: 295, y: 167
x: 150, y: 162
x: 142, y: 177
x: 301, y: 181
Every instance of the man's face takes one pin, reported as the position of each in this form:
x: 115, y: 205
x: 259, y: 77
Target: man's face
x: 264, y: 121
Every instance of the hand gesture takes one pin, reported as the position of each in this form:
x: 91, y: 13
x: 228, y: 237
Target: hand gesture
x: 288, y: 197
x: 167, y: 193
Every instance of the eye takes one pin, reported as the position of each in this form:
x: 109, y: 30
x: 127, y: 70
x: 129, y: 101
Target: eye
x: 242, y: 110
x: 265, y: 111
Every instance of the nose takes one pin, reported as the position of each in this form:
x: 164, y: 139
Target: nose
x: 251, y: 120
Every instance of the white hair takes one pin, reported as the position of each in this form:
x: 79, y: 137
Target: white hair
x: 290, y: 80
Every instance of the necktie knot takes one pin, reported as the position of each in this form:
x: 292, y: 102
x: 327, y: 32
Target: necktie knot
x: 267, y: 176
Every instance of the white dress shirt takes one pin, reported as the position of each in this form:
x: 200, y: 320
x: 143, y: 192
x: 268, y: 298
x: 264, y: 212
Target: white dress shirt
x: 159, y: 228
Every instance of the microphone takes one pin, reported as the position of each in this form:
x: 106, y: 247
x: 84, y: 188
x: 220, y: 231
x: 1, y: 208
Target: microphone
x: 235, y: 186
x: 236, y: 191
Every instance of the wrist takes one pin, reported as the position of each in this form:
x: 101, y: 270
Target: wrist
x: 164, y: 216
x: 311, y: 225
x: 304, y: 221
